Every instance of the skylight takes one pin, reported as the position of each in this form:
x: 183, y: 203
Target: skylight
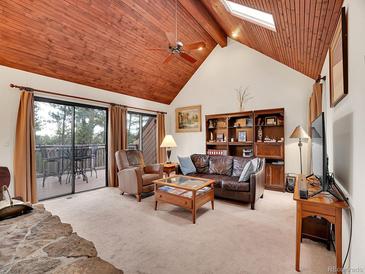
x: 261, y: 18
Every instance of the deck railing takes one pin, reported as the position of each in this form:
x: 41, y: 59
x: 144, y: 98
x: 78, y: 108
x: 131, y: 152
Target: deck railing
x: 50, y: 156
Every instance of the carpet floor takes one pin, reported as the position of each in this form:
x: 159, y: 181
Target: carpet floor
x: 231, y: 239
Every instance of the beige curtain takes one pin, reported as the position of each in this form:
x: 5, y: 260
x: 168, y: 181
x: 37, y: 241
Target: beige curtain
x: 117, y: 139
x: 25, y: 184
x: 161, y: 152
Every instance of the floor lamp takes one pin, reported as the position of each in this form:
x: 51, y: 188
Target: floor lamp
x: 299, y: 133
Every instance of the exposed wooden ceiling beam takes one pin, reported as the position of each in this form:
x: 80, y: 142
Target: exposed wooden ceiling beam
x: 203, y: 17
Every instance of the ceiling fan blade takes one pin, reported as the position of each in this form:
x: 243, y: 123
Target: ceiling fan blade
x: 168, y: 58
x: 171, y: 38
x: 187, y: 57
x: 197, y: 45
x: 161, y: 49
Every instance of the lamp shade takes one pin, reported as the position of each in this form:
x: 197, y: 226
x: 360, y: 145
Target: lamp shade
x: 168, y: 141
x: 300, y: 133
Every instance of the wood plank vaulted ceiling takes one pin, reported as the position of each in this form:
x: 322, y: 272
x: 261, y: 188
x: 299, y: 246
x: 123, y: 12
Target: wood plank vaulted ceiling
x: 304, y: 30
x: 101, y: 43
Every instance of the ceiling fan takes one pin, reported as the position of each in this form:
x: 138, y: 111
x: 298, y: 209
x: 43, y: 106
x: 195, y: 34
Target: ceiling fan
x: 177, y: 48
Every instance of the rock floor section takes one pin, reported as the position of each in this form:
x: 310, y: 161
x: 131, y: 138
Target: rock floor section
x: 39, y: 242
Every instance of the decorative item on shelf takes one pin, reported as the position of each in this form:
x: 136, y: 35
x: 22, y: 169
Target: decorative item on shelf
x: 247, y: 153
x: 211, y: 137
x: 259, y: 134
x: 220, y: 137
x: 259, y: 121
x: 168, y: 143
x: 212, y: 124
x: 299, y: 133
x: 270, y: 121
x: 281, y: 140
x: 269, y: 140
x: 232, y: 140
x: 243, y: 96
x: 221, y: 124
x: 188, y: 119
x: 240, y: 122
x: 249, y: 122
x: 242, y: 135
x: 280, y: 121
x: 339, y: 62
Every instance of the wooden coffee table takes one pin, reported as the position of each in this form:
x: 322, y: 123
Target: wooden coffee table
x: 185, y: 191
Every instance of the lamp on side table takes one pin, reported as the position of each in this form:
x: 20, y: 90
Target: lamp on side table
x: 168, y: 143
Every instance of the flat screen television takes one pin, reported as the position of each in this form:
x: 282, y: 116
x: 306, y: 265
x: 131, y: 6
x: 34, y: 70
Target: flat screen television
x: 319, y: 151
x: 320, y: 159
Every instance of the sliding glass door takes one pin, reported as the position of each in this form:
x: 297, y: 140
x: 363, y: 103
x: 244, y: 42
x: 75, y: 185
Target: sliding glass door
x: 71, y: 147
x: 141, y: 135
x: 90, y: 148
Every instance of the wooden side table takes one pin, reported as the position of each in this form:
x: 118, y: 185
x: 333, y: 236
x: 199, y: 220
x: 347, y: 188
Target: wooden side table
x: 169, y: 168
x: 325, y: 206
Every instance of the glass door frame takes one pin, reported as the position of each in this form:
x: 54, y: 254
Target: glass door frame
x: 74, y: 104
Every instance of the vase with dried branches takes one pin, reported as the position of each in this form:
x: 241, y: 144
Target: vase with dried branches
x: 243, y: 96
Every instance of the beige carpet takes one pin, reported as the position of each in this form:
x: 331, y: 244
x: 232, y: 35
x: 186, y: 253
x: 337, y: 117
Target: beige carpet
x: 231, y: 239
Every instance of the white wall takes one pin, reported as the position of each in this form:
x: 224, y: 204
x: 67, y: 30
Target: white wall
x: 345, y: 130
x: 272, y: 84
x: 9, y: 101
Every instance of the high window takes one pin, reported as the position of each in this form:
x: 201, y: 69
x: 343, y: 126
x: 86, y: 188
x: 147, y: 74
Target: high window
x: 255, y: 16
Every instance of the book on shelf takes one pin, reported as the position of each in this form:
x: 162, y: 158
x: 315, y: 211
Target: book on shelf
x: 221, y: 152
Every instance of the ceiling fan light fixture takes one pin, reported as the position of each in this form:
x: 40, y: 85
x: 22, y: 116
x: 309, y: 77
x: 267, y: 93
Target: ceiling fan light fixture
x: 255, y: 16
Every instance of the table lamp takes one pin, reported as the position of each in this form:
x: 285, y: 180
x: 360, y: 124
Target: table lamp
x: 168, y: 143
x: 299, y: 133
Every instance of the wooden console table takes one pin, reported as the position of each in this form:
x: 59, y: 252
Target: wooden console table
x: 322, y: 205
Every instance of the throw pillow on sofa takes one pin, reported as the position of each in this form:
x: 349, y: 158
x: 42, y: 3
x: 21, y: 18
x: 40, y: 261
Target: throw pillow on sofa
x: 186, y: 165
x: 249, y: 169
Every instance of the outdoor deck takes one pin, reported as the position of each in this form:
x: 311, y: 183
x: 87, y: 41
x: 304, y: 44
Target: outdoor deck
x: 53, y: 188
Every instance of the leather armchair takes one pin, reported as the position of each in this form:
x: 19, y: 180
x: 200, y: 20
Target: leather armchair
x: 134, y: 176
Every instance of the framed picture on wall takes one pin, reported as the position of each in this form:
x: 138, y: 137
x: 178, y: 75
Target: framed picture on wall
x: 339, y: 62
x: 188, y: 119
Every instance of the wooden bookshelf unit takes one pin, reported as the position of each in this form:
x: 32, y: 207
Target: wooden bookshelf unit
x: 231, y: 133
x: 258, y: 133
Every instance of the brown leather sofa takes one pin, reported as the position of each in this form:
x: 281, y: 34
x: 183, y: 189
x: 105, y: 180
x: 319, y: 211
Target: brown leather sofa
x: 134, y: 176
x: 226, y: 170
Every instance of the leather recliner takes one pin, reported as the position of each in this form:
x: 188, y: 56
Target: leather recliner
x: 134, y: 177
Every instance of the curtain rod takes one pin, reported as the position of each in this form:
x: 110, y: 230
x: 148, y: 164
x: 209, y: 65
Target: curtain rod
x: 81, y: 98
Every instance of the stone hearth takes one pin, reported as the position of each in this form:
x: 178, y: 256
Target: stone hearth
x: 39, y: 242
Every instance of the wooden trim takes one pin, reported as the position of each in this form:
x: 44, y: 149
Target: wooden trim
x: 199, y: 12
x: 231, y: 114
x: 79, y: 98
